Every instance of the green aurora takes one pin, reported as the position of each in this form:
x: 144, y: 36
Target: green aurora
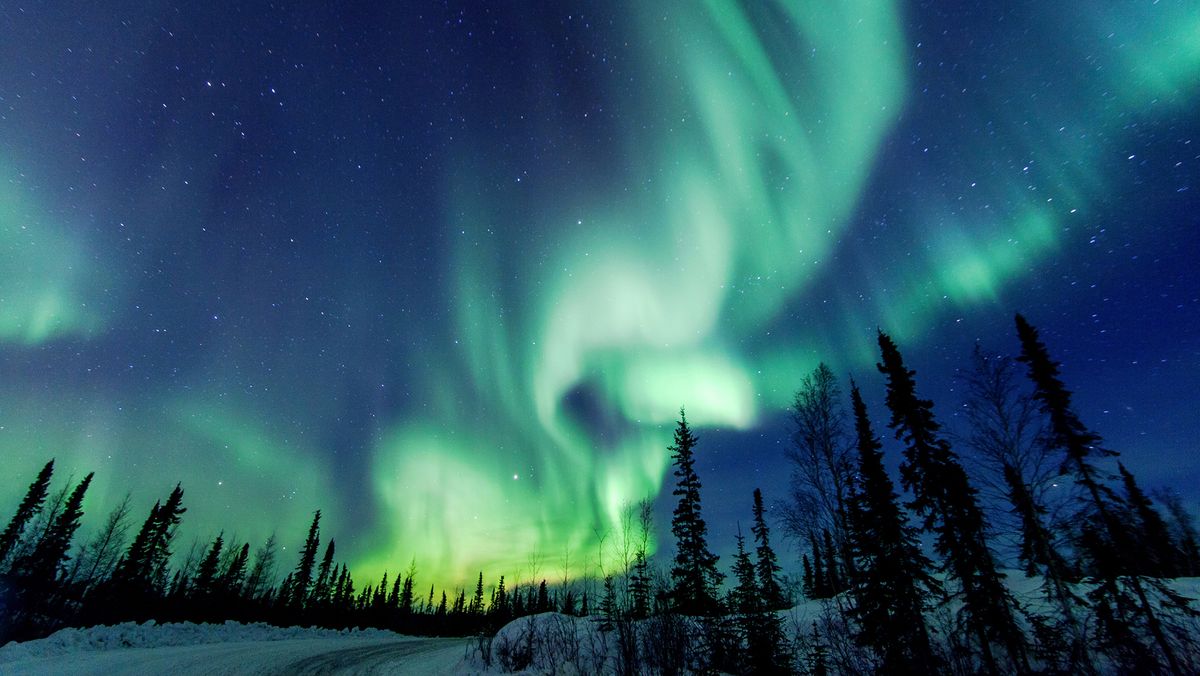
x: 690, y: 263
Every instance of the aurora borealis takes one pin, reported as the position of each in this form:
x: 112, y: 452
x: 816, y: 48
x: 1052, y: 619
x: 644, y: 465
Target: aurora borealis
x: 448, y: 273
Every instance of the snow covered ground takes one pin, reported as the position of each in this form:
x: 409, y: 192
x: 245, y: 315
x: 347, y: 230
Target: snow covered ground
x: 231, y: 648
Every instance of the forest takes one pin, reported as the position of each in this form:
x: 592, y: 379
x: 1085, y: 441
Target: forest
x: 908, y: 574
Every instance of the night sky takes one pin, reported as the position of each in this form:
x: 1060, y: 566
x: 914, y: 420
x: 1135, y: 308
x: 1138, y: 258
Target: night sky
x: 448, y: 272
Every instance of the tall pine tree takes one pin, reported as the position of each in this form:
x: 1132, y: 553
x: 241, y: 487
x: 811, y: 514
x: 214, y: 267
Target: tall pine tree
x: 947, y: 501
x: 694, y: 577
x: 892, y: 579
x: 1120, y: 599
x: 303, y: 575
x: 30, y: 505
x: 767, y: 564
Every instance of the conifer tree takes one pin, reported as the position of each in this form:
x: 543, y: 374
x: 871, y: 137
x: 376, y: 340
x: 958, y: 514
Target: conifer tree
x: 543, y: 598
x: 1120, y: 598
x: 406, y: 593
x: 30, y: 505
x: 1183, y: 531
x: 231, y: 581
x: 258, y: 582
x: 1065, y: 640
x: 206, y: 573
x: 608, y: 606
x: 41, y: 568
x: 807, y: 581
x: 820, y: 584
x: 321, y: 590
x: 476, y: 607
x: 143, y: 569
x: 767, y: 564
x: 1159, y: 554
x: 833, y: 575
x: 694, y: 577
x: 302, y: 576
x: 947, y: 501
x: 892, y: 579
x: 639, y: 587
x: 757, y: 627
x: 818, y: 655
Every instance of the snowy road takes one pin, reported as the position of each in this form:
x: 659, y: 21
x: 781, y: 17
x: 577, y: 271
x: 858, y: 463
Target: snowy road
x: 296, y: 656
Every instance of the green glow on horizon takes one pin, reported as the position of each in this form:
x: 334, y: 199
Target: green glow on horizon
x: 581, y: 312
x: 634, y: 313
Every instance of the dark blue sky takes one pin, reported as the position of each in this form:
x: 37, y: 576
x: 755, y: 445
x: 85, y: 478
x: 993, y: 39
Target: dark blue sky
x: 427, y: 265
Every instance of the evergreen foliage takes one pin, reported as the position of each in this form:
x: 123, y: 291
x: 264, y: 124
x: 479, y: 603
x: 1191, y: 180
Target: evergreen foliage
x: 695, y: 578
x: 30, y: 505
x: 303, y: 576
x: 892, y: 580
x: 767, y: 563
x: 944, y: 497
x: 1120, y: 598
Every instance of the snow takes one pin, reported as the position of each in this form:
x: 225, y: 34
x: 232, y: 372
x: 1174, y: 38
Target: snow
x: 231, y: 647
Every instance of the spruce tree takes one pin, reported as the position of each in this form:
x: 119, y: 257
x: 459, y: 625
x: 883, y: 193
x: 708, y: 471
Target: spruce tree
x: 767, y: 564
x: 302, y: 576
x: 833, y: 575
x: 807, y: 580
x: 235, y: 575
x: 476, y: 607
x: 947, y: 501
x: 608, y: 606
x: 1065, y: 640
x: 1119, y: 598
x: 30, y: 505
x: 543, y: 598
x: 639, y: 587
x: 892, y: 579
x: 757, y: 626
x: 406, y: 592
x: 206, y: 574
x: 694, y: 577
x: 820, y: 584
x: 41, y: 568
x: 321, y: 590
x: 1160, y: 555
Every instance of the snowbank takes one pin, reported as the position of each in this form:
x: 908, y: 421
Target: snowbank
x: 152, y: 635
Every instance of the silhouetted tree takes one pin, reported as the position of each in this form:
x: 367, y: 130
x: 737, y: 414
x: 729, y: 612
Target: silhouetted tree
x: 767, y: 564
x: 235, y: 574
x: 1159, y: 557
x: 205, y: 582
x: 262, y: 574
x: 302, y: 576
x: 1064, y: 641
x: 321, y: 588
x: 694, y: 577
x: 944, y: 497
x: 892, y: 579
x: 98, y: 558
x: 1120, y: 599
x: 1183, y: 532
x: 820, y: 459
x: 30, y: 505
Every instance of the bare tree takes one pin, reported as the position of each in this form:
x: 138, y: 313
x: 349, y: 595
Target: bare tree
x: 98, y: 557
x: 262, y: 575
x: 1005, y: 427
x: 822, y: 461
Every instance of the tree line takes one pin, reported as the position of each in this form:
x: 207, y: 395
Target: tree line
x: 911, y: 584
x: 47, y: 581
x: 917, y: 584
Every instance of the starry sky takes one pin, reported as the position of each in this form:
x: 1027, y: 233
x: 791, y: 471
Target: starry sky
x: 447, y: 271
